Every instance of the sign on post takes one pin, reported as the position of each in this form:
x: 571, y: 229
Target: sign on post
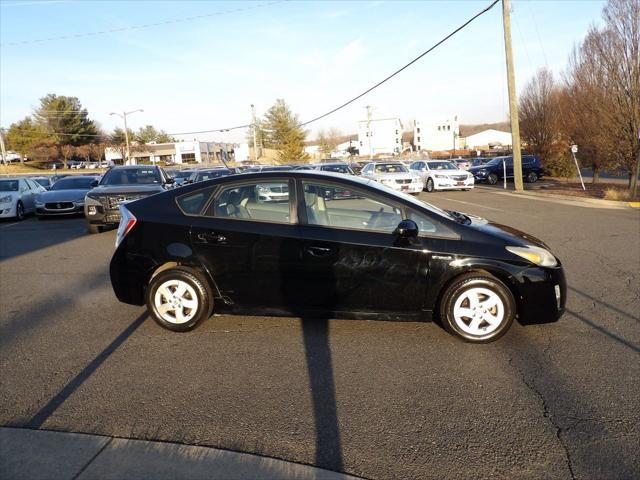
x: 574, y: 150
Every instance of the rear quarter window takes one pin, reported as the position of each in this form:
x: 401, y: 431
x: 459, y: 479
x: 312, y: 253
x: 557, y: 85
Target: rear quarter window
x: 193, y: 203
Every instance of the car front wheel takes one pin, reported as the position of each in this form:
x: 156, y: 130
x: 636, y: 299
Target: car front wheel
x: 492, y: 179
x: 179, y: 298
x: 532, y: 177
x: 477, y: 308
x: 430, y: 186
x: 19, y: 211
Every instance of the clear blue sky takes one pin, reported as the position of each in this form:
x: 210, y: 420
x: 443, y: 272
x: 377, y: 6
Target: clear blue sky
x: 204, y: 73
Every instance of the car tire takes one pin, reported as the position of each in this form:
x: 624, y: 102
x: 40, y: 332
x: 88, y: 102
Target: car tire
x: 532, y: 177
x: 477, y: 308
x: 19, y: 211
x: 179, y: 298
x: 93, y: 229
x: 430, y: 186
x: 492, y: 179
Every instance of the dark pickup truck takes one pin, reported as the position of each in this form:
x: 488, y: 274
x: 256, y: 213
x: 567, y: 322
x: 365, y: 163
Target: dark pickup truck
x: 121, y: 184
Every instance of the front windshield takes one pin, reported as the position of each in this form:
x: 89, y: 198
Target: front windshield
x: 131, y: 176
x: 45, y: 182
x: 337, y: 168
x: 9, y: 185
x: 390, y: 168
x: 441, y: 166
x: 73, y: 183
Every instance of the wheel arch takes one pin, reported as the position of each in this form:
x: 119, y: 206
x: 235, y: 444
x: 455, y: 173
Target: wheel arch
x: 501, y: 274
x: 190, y: 264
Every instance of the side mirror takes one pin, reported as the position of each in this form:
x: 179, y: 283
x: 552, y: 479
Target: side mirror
x: 171, y: 180
x: 407, y: 229
x: 94, y: 183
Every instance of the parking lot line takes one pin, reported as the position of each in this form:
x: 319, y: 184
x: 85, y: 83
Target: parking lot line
x: 474, y: 204
x: 10, y: 225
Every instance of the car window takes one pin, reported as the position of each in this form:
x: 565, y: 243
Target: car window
x: 428, y: 225
x: 126, y: 176
x: 390, y: 168
x: 9, y: 185
x: 367, y: 169
x: 342, y: 207
x: 264, y: 201
x: 192, y: 203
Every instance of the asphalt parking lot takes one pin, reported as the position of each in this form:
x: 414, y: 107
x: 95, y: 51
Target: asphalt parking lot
x: 373, y: 399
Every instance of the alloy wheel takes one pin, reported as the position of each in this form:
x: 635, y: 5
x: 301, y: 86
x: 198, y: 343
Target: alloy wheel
x: 176, y: 301
x: 478, y: 311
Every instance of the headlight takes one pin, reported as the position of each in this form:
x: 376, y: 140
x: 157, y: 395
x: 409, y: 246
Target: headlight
x: 440, y: 176
x: 6, y: 199
x: 469, y: 177
x: 263, y: 189
x: 536, y: 255
x: 387, y: 181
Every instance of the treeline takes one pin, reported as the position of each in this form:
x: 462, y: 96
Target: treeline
x: 60, y: 129
x: 595, y: 104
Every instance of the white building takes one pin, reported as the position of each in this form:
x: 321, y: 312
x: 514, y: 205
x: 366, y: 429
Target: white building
x: 438, y: 135
x: 380, y: 136
x: 177, y: 152
x: 488, y: 139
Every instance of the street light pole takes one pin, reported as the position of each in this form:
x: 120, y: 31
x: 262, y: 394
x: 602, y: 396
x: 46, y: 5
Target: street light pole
x: 254, y: 128
x: 123, y: 116
x: 513, y: 101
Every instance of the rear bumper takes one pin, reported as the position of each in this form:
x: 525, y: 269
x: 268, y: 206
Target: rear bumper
x: 129, y: 275
x: 542, y: 294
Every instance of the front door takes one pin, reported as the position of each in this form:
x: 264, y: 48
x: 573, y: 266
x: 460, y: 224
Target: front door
x: 352, y: 260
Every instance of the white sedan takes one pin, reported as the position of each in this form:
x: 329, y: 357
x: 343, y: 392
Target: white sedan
x: 394, y: 175
x: 442, y: 175
x: 18, y: 196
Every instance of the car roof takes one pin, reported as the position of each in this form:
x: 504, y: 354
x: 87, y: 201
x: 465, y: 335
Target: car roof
x: 137, y: 167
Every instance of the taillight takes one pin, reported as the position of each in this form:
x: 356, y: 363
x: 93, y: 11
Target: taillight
x: 127, y: 222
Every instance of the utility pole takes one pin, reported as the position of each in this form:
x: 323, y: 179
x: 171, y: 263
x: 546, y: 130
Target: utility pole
x: 513, y: 100
x: 123, y: 115
x: 254, y: 128
x: 4, y: 152
x: 369, y: 107
x: 634, y: 179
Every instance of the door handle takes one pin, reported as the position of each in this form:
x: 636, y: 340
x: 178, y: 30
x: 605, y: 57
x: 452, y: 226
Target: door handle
x: 318, y: 251
x: 211, y: 237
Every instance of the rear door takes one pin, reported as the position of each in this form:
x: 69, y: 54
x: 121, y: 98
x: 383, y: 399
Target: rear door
x: 245, y: 236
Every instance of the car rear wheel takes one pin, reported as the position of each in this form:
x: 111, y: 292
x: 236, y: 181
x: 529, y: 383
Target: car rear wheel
x: 179, y: 298
x: 19, y: 211
x: 477, y: 308
x: 430, y: 186
x: 532, y: 177
x: 492, y: 179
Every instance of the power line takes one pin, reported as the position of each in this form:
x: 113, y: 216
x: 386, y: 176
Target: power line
x: 141, y: 26
x: 348, y: 102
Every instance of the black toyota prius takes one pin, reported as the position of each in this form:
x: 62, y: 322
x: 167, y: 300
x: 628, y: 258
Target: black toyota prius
x: 295, y: 243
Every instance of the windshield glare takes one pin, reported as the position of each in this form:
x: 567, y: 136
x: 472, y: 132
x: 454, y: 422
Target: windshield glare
x: 390, y: 168
x: 496, y: 161
x: 131, y: 176
x: 441, y: 166
x: 8, y: 185
x: 73, y: 183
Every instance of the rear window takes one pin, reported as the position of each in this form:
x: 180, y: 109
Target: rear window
x: 193, y: 203
x: 129, y: 176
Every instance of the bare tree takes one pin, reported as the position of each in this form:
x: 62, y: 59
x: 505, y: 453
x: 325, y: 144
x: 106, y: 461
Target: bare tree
x: 604, y: 86
x: 84, y: 151
x: 67, y: 152
x: 96, y: 151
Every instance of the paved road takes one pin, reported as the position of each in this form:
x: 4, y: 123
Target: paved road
x: 374, y: 399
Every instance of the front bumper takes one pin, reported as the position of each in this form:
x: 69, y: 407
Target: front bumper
x: 453, y: 184
x: 542, y: 294
x: 76, y: 208
x: 413, y: 187
x: 7, y: 210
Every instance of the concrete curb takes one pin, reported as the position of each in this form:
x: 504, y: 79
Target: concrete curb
x: 567, y: 199
x: 43, y: 454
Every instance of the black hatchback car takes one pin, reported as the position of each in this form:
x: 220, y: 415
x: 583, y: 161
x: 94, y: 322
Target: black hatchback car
x: 493, y: 170
x: 378, y: 254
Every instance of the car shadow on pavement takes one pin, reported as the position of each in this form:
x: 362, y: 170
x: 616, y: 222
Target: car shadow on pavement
x: 31, y: 235
x: 604, y: 331
x: 76, y: 382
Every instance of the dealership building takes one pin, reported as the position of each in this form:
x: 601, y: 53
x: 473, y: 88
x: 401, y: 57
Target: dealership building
x: 176, y: 152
